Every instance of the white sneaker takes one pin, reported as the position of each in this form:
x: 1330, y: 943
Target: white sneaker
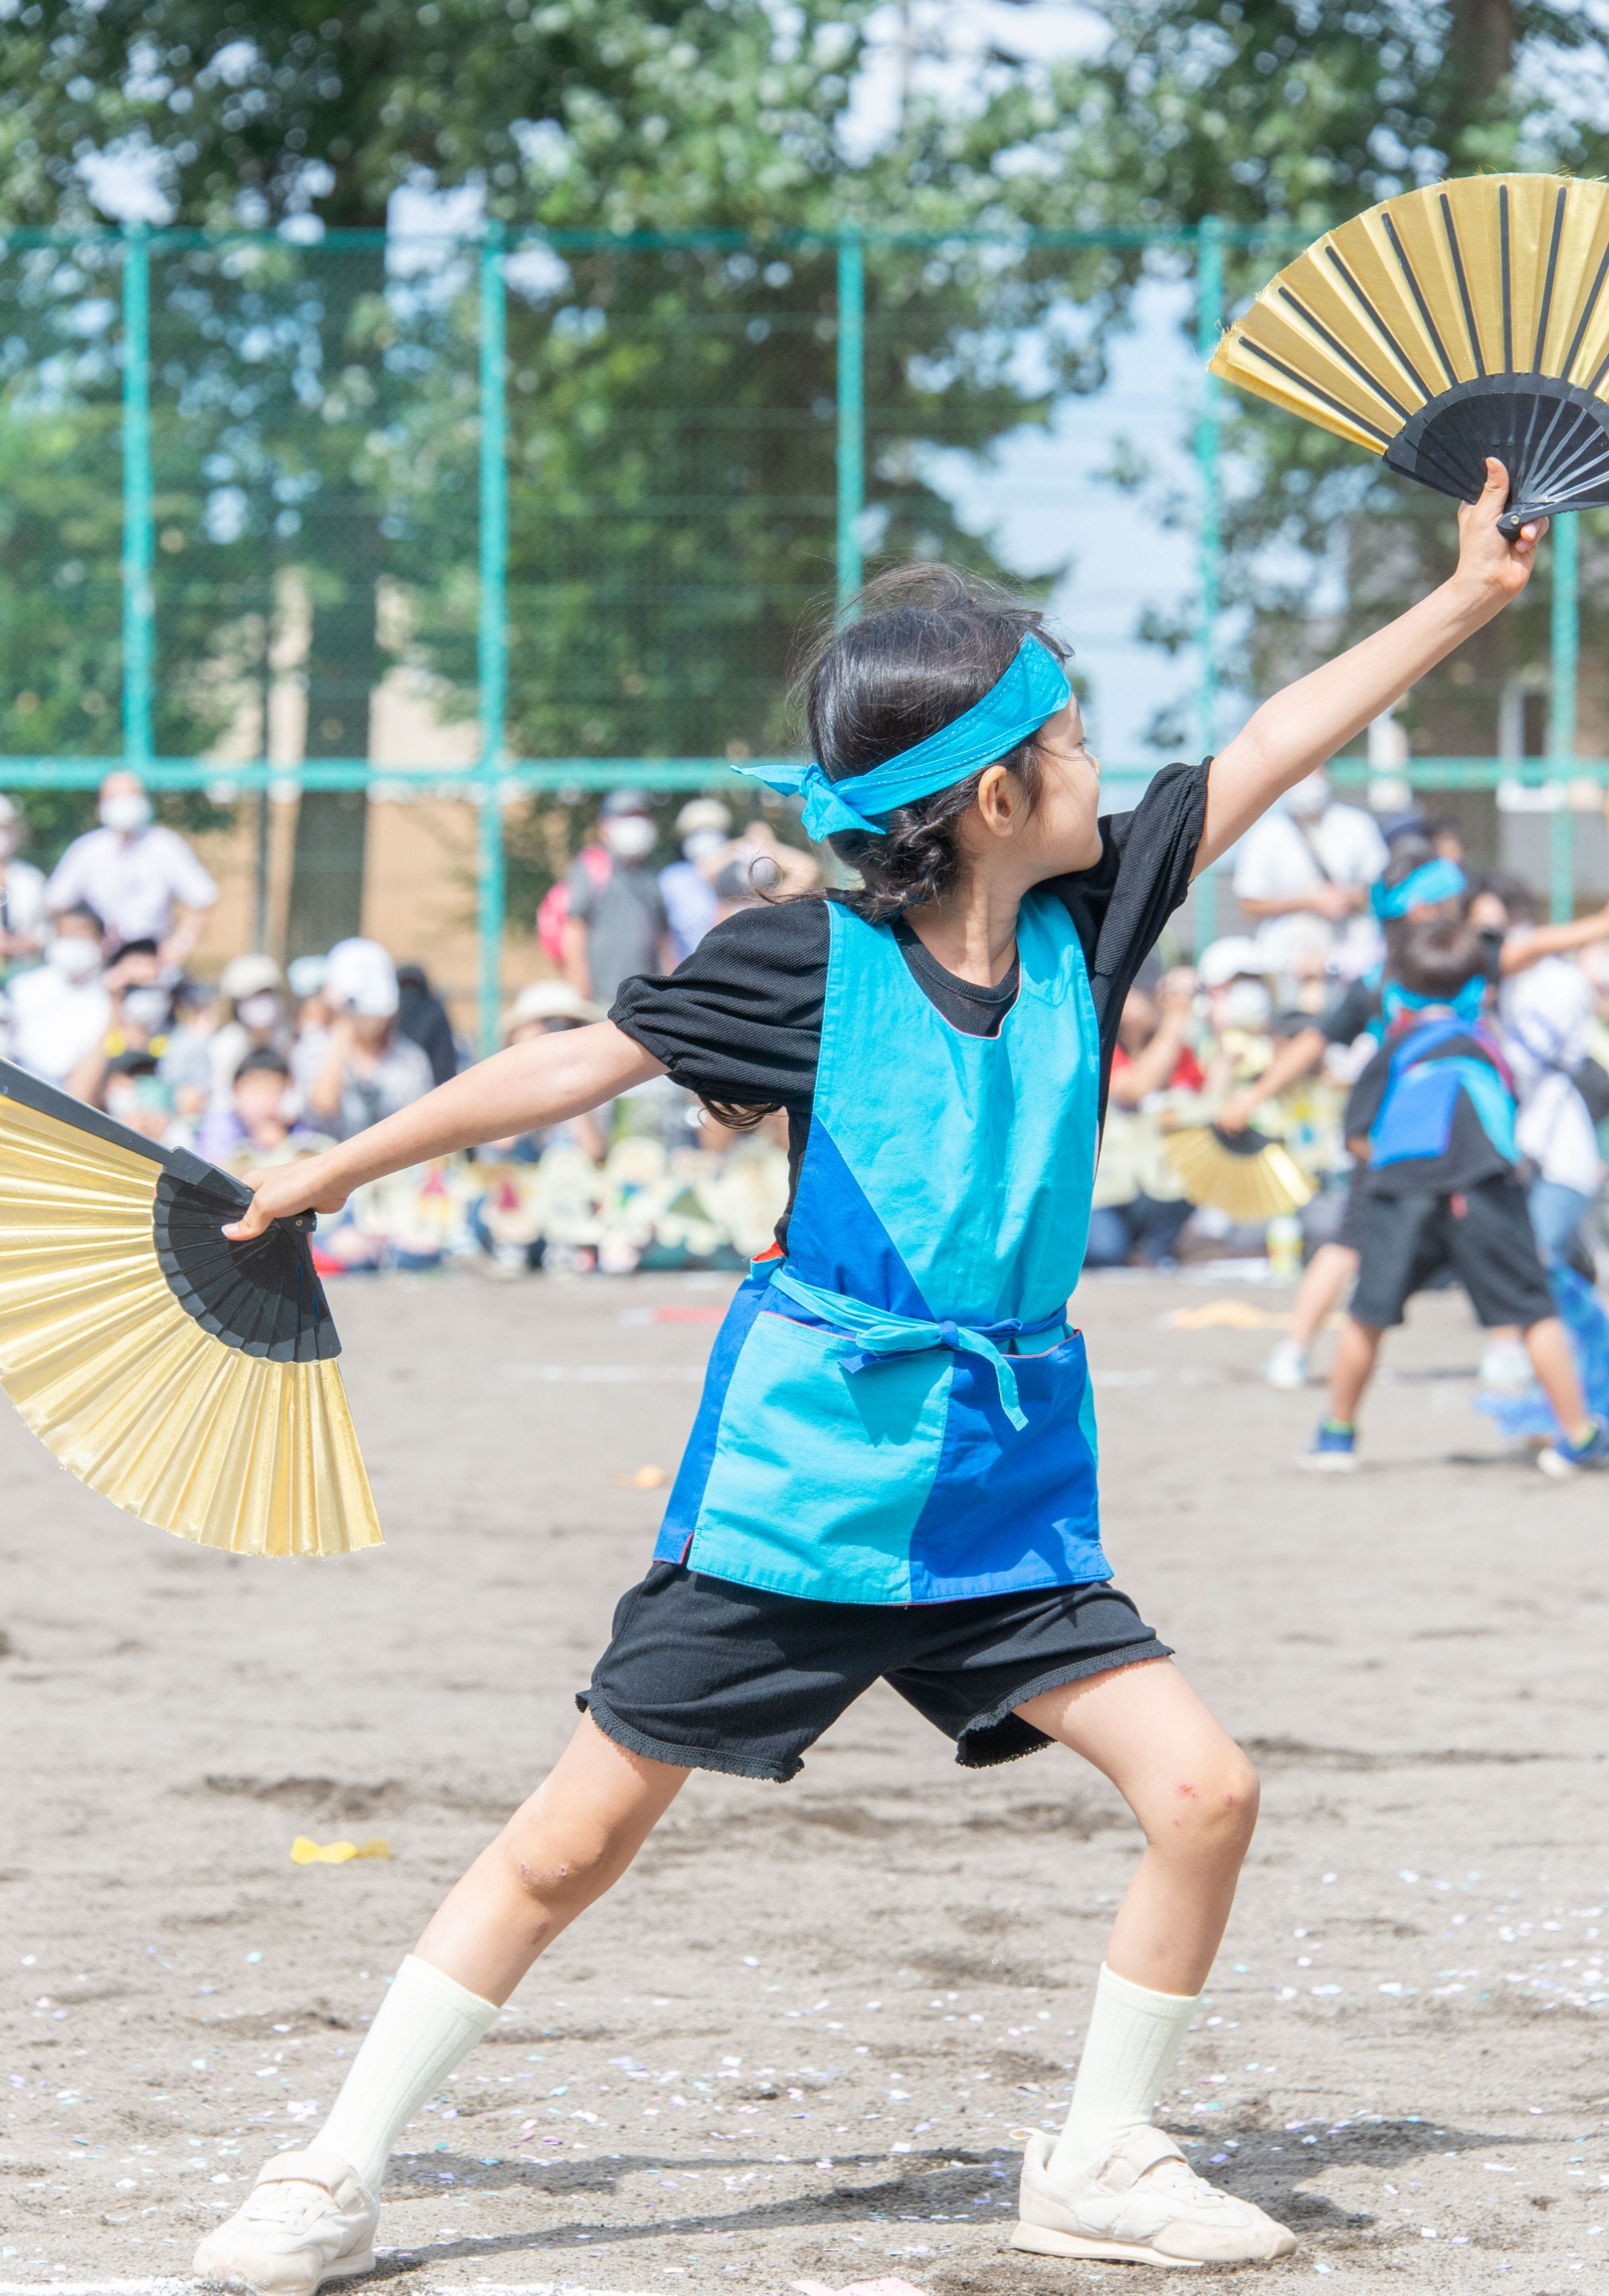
x: 1287, y: 1367
x: 308, y: 2220
x: 1145, y: 2204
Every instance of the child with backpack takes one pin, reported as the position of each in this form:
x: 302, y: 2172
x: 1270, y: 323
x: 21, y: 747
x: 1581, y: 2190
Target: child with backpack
x: 1431, y: 1121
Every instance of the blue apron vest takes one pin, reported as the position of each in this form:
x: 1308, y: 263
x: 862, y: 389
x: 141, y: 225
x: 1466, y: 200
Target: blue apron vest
x: 1416, y: 1114
x: 897, y: 1412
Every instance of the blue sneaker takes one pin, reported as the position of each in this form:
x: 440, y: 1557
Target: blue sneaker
x: 1564, y: 1458
x: 1332, y: 1451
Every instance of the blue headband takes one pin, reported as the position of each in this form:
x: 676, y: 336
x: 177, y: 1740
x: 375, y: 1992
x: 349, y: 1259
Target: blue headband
x: 1033, y: 689
x: 1433, y: 880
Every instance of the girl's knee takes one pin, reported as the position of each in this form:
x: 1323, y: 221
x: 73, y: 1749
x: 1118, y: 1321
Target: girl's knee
x: 1206, y: 1807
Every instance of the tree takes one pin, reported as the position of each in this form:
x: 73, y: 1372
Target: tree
x: 673, y: 421
x: 1301, y: 112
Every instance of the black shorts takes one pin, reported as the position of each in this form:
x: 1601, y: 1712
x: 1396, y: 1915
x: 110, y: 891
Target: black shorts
x: 1484, y: 1236
x: 714, y: 1676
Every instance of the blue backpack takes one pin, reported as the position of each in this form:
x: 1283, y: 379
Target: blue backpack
x: 1421, y: 1092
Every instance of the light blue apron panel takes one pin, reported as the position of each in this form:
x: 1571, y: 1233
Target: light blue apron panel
x: 819, y: 1485
x: 994, y: 1520
x: 974, y: 1155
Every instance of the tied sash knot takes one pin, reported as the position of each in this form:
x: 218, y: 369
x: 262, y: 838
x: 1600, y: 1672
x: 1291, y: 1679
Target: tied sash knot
x: 871, y: 1335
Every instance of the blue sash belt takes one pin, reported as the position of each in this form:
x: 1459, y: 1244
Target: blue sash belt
x: 873, y: 1334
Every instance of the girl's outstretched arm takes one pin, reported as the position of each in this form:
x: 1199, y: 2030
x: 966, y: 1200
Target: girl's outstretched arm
x: 1297, y: 730
x: 528, y: 1086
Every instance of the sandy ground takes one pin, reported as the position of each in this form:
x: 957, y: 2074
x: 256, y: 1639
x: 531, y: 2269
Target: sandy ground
x: 796, y: 2040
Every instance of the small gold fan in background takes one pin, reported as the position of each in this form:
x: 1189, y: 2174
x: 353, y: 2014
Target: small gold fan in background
x: 190, y: 1380
x: 1447, y: 324
x: 1244, y: 1174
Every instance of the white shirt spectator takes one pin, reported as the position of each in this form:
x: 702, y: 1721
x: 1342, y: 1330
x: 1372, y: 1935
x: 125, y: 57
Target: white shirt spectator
x: 133, y: 883
x: 55, y: 1021
x: 22, y: 900
x: 1545, y: 1014
x: 1282, y: 858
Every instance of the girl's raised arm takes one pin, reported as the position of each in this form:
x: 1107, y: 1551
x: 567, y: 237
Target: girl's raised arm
x: 524, y: 1089
x: 1297, y: 730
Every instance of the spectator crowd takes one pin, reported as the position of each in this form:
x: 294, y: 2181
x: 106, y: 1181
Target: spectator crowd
x: 1264, y: 1034
x: 269, y: 1063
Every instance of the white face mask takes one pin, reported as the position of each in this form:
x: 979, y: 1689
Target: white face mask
x: 1309, y: 800
x: 145, y: 1008
x: 73, y: 958
x: 259, y: 1012
x: 702, y: 845
x: 126, y: 810
x: 1245, y: 1004
x: 629, y: 836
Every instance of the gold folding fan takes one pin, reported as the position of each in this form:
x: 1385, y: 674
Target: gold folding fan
x: 1244, y: 1174
x: 1447, y: 324
x: 191, y: 1379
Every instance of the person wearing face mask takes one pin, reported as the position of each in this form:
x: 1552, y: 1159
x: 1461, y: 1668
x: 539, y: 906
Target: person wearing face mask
x: 141, y: 1014
x: 22, y: 918
x: 141, y: 877
x: 361, y: 1067
x: 256, y: 1022
x: 616, y: 927
x: 1310, y: 860
x: 687, y: 887
x: 59, y: 1010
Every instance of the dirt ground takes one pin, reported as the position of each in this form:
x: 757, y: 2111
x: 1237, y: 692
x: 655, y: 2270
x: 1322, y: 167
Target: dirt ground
x: 795, y: 2042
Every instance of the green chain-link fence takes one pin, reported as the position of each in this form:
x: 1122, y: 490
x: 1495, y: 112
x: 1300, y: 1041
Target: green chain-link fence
x: 582, y: 491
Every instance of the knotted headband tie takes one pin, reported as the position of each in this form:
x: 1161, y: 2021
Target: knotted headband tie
x: 1030, y: 691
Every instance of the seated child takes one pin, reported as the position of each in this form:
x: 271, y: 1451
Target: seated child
x: 1431, y: 1121
x: 257, y: 1127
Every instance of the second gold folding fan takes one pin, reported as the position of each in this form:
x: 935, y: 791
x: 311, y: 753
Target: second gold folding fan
x: 191, y: 1379
x: 1467, y: 319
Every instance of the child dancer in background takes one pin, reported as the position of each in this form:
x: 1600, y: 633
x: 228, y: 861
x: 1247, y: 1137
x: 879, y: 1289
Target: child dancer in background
x: 1431, y: 1123
x: 892, y: 1471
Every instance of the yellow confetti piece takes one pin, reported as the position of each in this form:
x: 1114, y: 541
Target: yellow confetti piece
x: 645, y: 1478
x: 304, y: 1852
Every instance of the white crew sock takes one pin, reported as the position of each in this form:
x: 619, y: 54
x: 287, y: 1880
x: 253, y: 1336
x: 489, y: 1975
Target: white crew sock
x: 427, y: 2024
x: 1129, y: 2051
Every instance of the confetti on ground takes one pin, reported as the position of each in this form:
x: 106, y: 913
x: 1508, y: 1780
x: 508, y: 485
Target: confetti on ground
x: 304, y: 1852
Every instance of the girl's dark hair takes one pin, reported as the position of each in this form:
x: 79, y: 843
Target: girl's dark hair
x: 928, y: 642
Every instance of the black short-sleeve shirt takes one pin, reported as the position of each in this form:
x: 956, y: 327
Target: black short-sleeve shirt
x: 739, y: 1022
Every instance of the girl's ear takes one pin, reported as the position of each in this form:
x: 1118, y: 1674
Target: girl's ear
x: 997, y: 801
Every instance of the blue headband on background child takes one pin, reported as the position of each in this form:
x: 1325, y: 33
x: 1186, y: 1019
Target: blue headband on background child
x: 1433, y: 880
x: 1032, y: 690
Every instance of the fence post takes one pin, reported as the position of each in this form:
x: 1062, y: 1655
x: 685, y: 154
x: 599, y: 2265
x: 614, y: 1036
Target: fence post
x: 1209, y: 320
x: 1566, y: 636
x: 851, y: 408
x: 492, y: 634
x: 138, y: 528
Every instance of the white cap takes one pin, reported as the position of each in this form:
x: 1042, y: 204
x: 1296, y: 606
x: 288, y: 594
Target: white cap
x: 703, y: 813
x: 8, y: 811
x: 549, y: 1000
x: 1221, y: 960
x: 249, y: 976
x: 305, y: 975
x: 360, y: 977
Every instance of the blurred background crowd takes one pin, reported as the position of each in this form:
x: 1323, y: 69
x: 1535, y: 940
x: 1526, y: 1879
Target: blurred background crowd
x: 1261, y: 1036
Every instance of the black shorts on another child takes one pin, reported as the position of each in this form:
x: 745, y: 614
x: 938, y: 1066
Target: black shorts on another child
x: 1484, y: 1235
x: 714, y: 1676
